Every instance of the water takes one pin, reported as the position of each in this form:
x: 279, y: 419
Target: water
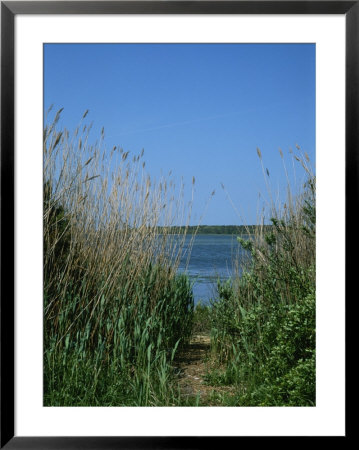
x: 211, y: 259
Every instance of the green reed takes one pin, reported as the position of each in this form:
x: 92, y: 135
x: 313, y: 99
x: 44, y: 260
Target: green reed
x: 263, y: 326
x: 115, y: 311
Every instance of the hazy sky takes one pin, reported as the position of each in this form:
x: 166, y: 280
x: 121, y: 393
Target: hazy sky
x: 197, y: 109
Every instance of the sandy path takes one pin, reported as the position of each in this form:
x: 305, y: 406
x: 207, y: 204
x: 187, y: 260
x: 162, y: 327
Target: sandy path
x: 193, y: 364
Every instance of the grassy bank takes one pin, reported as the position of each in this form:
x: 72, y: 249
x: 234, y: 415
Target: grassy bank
x: 115, y: 312
x: 263, y: 325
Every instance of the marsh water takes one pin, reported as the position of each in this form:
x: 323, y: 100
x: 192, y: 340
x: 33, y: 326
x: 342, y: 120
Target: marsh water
x: 211, y: 258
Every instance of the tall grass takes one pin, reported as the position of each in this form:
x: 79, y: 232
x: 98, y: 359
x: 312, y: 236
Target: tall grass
x: 115, y: 312
x: 264, y: 322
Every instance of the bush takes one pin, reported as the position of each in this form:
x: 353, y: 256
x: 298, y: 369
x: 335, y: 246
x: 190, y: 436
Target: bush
x: 201, y: 318
x: 264, y: 321
x: 286, y: 372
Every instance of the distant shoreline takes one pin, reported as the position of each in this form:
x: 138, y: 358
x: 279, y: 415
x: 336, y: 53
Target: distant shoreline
x: 215, y: 229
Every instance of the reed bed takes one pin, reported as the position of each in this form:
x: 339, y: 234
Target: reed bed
x: 115, y: 310
x: 263, y: 326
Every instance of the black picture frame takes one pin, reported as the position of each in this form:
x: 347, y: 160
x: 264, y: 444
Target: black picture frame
x: 9, y: 9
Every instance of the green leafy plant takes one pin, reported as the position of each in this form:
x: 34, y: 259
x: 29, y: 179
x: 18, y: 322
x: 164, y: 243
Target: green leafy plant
x: 264, y: 322
x: 115, y: 310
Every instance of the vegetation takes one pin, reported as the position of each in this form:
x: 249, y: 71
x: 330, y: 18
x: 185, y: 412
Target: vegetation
x: 201, y: 318
x: 115, y: 311
x: 120, y: 322
x: 263, y: 326
x: 218, y: 229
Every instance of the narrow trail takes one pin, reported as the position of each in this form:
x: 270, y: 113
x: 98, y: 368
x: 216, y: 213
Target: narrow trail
x: 193, y: 363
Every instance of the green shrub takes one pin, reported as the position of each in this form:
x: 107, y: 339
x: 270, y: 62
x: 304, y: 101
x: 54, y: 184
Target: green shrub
x: 264, y: 321
x: 286, y: 369
x: 201, y: 318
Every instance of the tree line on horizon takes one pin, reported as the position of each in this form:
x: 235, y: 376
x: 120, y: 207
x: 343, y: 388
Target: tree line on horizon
x: 217, y: 229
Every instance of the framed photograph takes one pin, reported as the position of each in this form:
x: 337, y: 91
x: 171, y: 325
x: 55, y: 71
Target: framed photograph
x: 175, y: 185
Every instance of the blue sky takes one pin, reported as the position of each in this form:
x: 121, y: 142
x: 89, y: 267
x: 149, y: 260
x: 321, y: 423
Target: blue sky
x: 196, y: 109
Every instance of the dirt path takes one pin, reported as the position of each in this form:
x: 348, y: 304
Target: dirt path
x: 194, y: 363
